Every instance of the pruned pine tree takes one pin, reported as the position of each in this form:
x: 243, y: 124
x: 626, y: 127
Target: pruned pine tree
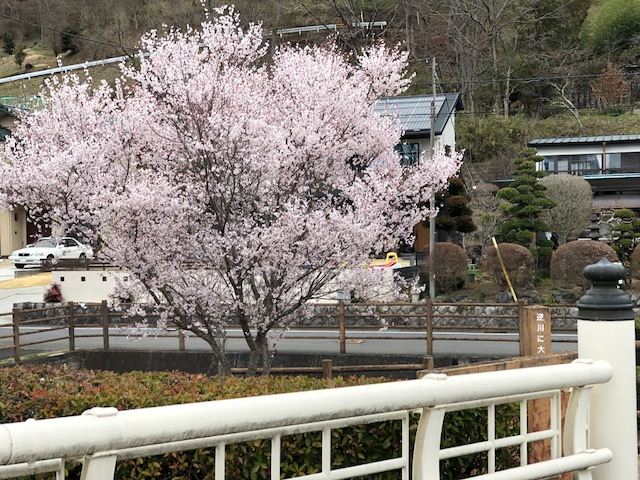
x: 525, y: 199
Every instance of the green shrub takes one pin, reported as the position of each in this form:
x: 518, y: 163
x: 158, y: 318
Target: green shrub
x: 450, y: 263
x: 36, y: 391
x: 518, y: 261
x: 634, y: 263
x: 19, y: 55
x: 8, y: 43
x: 569, y: 260
x: 625, y: 235
x: 470, y: 426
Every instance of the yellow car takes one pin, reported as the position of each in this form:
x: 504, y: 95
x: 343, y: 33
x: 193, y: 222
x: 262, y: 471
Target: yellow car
x: 391, y: 261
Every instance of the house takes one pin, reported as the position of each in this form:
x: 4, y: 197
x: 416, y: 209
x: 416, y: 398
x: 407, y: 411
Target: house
x: 16, y: 230
x: 415, y: 116
x: 610, y: 163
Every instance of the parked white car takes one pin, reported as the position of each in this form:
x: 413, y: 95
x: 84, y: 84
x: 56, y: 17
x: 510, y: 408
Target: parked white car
x: 50, y: 248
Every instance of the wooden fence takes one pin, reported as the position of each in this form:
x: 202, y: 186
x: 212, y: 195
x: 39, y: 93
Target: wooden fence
x: 384, y: 321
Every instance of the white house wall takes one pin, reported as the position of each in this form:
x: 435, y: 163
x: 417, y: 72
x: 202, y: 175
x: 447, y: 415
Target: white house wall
x: 448, y: 136
x: 13, y: 231
x: 13, y: 224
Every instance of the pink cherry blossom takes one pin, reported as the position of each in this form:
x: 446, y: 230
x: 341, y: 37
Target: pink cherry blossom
x: 235, y: 188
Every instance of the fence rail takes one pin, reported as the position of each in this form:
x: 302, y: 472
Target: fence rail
x: 342, y: 322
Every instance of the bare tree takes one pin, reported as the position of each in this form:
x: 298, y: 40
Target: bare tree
x: 484, y: 31
x: 612, y: 88
x: 484, y: 205
x: 565, y: 100
x: 574, y: 203
x: 360, y: 21
x: 492, y: 41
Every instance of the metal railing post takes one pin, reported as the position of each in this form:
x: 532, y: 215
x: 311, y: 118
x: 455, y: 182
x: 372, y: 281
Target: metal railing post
x: 16, y: 334
x: 72, y: 327
x: 104, y: 314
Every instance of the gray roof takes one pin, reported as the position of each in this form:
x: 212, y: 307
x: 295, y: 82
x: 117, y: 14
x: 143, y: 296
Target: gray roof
x: 599, y: 139
x: 414, y: 112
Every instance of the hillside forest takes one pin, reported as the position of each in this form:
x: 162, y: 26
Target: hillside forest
x: 524, y: 68
x: 537, y: 57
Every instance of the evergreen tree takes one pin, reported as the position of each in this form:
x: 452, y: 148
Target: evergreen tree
x: 69, y: 40
x: 625, y: 235
x: 612, y: 25
x: 19, y: 55
x: 525, y: 200
x: 8, y: 43
x: 454, y: 214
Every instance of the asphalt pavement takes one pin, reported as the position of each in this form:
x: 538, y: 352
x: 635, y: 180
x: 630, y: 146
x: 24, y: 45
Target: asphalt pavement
x: 15, y: 295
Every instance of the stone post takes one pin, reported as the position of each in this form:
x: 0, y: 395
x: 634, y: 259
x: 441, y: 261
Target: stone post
x: 606, y: 332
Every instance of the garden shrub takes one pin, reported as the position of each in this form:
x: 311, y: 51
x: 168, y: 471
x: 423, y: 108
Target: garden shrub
x: 569, y: 260
x: 634, y: 263
x: 518, y: 261
x: 41, y: 391
x: 450, y: 263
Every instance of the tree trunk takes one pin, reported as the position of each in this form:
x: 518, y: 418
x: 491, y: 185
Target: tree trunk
x: 495, y: 81
x: 218, y: 350
x: 224, y: 367
x: 409, y: 27
x: 507, y: 93
x: 259, y: 356
x: 215, y: 337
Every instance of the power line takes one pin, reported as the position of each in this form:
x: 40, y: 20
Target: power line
x: 542, y: 78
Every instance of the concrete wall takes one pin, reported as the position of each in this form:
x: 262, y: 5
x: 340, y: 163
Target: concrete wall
x: 121, y: 361
x: 91, y: 286
x: 87, y: 285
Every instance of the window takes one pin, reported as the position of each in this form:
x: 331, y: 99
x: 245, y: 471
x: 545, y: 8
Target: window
x: 613, y: 163
x: 628, y: 162
x: 586, y: 164
x: 409, y: 153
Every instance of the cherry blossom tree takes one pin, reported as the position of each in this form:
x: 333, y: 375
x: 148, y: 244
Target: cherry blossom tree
x: 235, y: 188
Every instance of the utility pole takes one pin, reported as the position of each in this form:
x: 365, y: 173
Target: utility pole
x: 432, y: 219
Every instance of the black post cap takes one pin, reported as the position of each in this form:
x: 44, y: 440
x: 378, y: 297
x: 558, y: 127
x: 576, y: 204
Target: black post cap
x: 604, y: 301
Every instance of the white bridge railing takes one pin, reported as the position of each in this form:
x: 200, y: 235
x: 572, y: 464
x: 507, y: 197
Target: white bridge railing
x: 102, y: 436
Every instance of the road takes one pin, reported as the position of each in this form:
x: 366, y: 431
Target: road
x: 386, y: 342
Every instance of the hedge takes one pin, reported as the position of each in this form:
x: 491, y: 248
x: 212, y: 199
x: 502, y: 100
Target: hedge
x: 36, y: 391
